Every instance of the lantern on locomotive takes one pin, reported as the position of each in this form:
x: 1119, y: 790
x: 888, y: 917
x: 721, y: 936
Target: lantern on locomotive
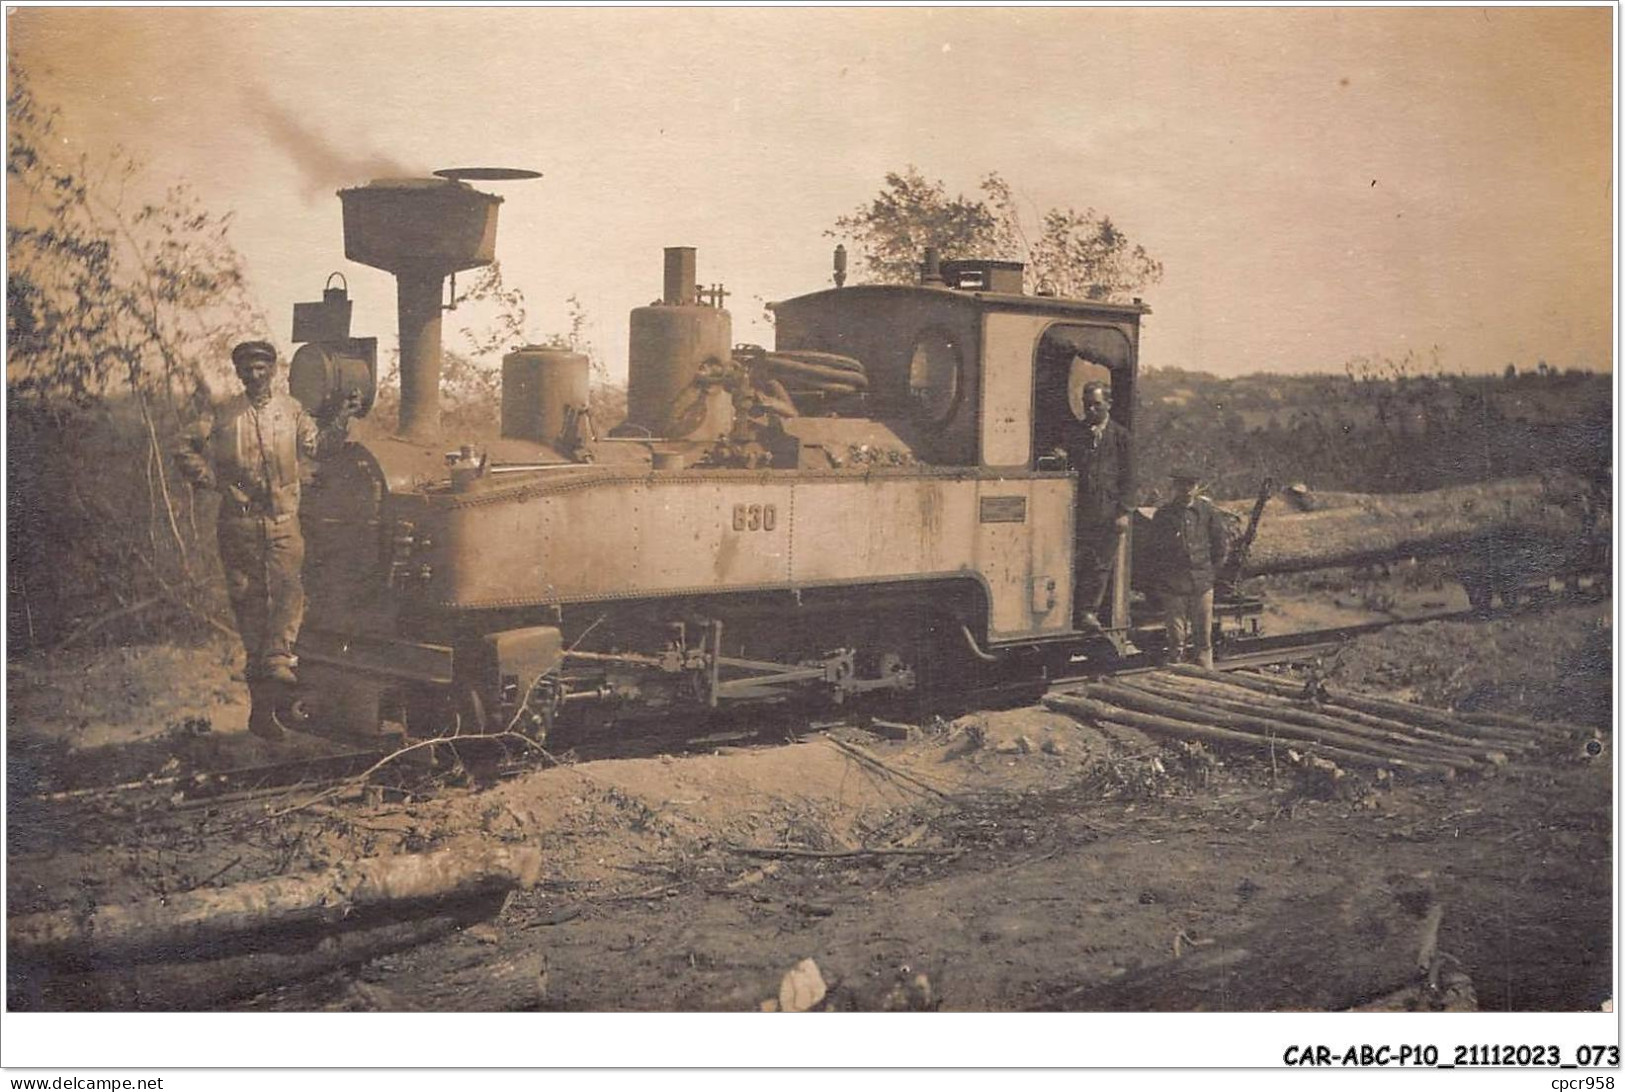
x: 330, y: 367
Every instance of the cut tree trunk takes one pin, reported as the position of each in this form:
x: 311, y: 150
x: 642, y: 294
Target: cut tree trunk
x: 1327, y: 720
x: 493, y: 982
x: 1522, y: 725
x: 1337, y: 951
x: 204, y: 921
x: 206, y: 984
x: 1092, y: 711
x: 1289, y: 728
x: 1404, y: 712
x: 1189, y: 688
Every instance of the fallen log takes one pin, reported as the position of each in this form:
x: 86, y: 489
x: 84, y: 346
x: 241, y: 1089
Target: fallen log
x: 1373, y: 528
x: 1297, y: 498
x: 499, y: 983
x: 1336, y: 951
x: 1489, y: 719
x: 1279, y: 711
x: 1284, y: 724
x: 202, y: 920
x: 1493, y: 737
x: 1404, y: 712
x: 1242, y: 698
x: 205, y: 984
x: 1092, y: 710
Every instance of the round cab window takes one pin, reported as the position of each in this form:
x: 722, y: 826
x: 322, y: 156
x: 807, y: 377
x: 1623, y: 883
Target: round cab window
x: 933, y: 379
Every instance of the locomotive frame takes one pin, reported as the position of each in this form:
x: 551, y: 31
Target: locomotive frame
x: 908, y: 535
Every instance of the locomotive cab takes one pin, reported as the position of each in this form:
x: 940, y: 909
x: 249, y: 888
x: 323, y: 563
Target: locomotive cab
x: 974, y: 372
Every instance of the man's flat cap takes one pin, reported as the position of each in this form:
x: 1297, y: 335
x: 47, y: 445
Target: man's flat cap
x: 1185, y: 474
x: 253, y: 350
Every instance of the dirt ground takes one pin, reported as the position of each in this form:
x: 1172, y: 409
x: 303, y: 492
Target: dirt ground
x: 1026, y: 860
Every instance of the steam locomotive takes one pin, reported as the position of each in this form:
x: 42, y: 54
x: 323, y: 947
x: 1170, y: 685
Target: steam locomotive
x: 866, y: 508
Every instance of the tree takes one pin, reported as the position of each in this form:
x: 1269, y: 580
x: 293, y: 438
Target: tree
x: 104, y: 290
x: 892, y: 231
x: 1082, y: 255
x: 123, y: 299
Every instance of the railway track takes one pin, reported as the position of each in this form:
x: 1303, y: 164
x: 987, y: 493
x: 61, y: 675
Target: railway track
x: 1282, y: 647
x: 318, y: 772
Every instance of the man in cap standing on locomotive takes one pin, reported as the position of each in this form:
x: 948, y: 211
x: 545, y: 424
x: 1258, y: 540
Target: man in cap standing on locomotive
x: 1189, y: 540
x: 249, y: 449
x: 1101, y: 452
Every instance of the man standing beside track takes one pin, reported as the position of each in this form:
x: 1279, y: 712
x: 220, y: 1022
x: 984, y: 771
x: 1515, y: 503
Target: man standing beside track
x: 1189, y: 539
x: 1101, y: 452
x: 249, y: 451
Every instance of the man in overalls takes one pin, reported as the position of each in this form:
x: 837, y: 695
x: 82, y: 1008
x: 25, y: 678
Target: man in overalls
x: 249, y: 451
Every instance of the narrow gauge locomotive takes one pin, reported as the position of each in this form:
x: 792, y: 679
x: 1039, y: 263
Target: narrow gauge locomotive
x: 868, y: 507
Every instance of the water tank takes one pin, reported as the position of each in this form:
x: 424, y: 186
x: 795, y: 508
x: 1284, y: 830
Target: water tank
x: 669, y: 343
x: 538, y: 386
x: 422, y: 226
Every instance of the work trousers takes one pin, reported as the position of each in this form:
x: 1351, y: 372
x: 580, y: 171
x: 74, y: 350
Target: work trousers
x: 1095, y: 548
x: 264, y: 558
x: 1189, y: 618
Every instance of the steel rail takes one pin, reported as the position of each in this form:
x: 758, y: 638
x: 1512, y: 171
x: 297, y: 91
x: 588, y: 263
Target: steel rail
x: 1238, y: 654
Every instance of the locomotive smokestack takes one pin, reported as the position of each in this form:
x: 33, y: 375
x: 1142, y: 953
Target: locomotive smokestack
x: 422, y: 230
x: 417, y: 312
x: 681, y: 278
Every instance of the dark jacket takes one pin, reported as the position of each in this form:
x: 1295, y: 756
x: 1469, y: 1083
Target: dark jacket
x: 1188, y: 543
x: 1105, y: 470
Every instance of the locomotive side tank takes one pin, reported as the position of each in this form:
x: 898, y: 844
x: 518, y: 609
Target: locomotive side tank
x: 904, y: 530
x: 703, y: 532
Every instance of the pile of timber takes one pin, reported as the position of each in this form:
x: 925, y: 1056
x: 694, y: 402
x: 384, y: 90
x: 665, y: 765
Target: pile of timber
x: 1272, y: 715
x: 1364, y: 529
x: 195, y: 949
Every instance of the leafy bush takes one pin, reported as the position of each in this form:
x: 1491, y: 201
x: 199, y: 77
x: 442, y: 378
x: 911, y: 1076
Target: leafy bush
x: 121, y: 310
x: 1082, y: 255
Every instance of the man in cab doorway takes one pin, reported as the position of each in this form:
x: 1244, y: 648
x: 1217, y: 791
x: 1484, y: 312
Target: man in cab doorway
x: 1101, y: 452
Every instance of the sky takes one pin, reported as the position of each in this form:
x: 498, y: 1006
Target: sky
x: 1320, y: 184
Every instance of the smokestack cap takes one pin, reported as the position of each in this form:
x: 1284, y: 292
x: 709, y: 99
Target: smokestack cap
x: 487, y: 174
